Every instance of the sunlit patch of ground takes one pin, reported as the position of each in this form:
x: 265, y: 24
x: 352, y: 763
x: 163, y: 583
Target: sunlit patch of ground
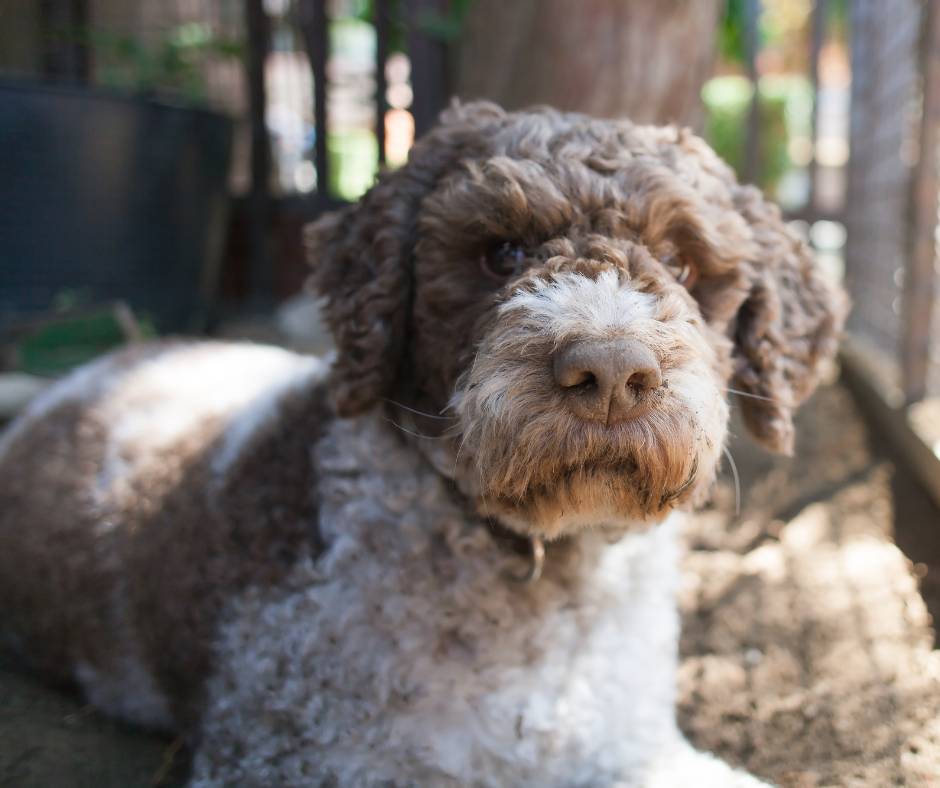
x: 807, y: 645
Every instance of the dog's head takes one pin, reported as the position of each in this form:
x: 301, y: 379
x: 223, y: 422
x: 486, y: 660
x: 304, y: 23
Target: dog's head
x: 576, y: 297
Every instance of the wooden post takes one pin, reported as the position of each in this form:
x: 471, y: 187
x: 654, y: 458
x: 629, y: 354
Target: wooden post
x: 922, y: 214
x: 639, y: 59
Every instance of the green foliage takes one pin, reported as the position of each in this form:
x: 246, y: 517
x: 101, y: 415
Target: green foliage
x: 444, y: 26
x: 838, y: 18
x: 172, y: 63
x: 66, y: 342
x: 448, y: 25
x: 354, y: 162
x: 731, y: 45
x: 784, y: 112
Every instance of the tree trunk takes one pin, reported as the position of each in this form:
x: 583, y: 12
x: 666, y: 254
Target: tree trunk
x: 642, y: 59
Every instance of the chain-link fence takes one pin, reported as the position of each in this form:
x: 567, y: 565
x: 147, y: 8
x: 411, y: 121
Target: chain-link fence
x: 891, y: 207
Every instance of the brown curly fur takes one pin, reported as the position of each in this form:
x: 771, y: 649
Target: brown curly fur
x: 789, y: 323
x: 412, y: 313
x: 363, y: 255
x: 147, y: 570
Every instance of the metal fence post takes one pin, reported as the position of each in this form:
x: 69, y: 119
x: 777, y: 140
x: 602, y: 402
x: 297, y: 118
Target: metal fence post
x: 752, y: 166
x: 259, y: 199
x: 313, y: 27
x: 64, y: 26
x: 382, y: 24
x: 818, y: 36
x: 428, y: 64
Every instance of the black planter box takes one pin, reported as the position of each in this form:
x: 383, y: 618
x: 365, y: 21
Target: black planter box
x: 110, y: 197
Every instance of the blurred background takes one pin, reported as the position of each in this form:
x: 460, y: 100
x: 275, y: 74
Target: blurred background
x: 163, y: 154
x: 158, y: 159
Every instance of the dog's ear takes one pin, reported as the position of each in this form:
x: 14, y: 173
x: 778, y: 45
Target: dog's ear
x: 786, y: 328
x: 361, y: 259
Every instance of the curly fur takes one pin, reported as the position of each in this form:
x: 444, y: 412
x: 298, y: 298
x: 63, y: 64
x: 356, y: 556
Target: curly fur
x: 787, y: 326
x: 579, y: 196
x: 303, y: 567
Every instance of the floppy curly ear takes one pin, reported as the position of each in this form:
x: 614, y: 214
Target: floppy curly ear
x: 787, y: 327
x: 359, y: 264
x: 361, y: 260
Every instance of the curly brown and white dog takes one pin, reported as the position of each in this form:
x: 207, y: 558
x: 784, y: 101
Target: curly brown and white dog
x: 306, y: 567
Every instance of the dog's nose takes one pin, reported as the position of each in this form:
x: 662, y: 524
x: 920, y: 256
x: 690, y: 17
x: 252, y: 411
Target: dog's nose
x: 607, y: 381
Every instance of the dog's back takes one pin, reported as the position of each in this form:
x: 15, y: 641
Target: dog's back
x: 121, y: 509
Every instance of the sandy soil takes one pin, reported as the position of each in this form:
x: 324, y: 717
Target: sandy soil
x: 808, y: 649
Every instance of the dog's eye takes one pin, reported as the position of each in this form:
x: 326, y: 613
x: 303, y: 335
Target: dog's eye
x: 503, y: 261
x: 684, y: 272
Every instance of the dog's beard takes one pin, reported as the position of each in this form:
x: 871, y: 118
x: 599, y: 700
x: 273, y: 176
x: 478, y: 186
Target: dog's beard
x: 530, y: 461
x: 539, y: 469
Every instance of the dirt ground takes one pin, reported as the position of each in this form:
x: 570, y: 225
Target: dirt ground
x: 808, y: 645
x: 808, y: 651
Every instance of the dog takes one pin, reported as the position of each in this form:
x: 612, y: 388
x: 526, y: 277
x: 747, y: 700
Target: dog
x: 447, y: 555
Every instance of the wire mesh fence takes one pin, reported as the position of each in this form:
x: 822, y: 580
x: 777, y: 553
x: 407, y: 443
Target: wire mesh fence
x: 891, y: 209
x: 884, y: 82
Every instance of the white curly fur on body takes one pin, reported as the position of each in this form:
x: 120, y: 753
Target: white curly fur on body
x: 404, y: 656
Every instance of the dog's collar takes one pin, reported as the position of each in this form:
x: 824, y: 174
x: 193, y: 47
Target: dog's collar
x: 533, y: 547
x: 537, y: 557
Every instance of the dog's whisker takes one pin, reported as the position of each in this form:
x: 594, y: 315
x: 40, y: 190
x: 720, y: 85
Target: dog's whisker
x: 463, y: 440
x: 482, y: 494
x: 737, y: 481
x: 758, y: 396
x: 412, y: 433
x: 417, y: 412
